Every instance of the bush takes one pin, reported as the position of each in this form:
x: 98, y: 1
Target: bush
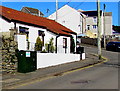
x: 72, y: 47
x: 38, y: 44
x: 49, y: 46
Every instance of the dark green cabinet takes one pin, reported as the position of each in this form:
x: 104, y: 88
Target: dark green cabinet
x: 27, y: 61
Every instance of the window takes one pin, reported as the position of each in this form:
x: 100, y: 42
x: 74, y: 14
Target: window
x: 94, y: 19
x: 88, y: 27
x: 79, y: 27
x: 24, y: 30
x: 94, y: 26
x: 42, y: 34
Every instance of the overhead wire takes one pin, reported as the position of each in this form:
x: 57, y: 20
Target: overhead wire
x: 66, y: 3
x: 73, y: 8
x: 48, y: 10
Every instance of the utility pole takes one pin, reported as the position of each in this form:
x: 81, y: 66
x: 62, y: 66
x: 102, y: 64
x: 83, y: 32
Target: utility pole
x: 99, y: 29
x: 47, y: 12
x: 56, y: 10
x: 104, y: 27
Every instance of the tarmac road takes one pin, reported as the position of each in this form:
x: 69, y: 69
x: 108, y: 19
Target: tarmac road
x: 103, y: 76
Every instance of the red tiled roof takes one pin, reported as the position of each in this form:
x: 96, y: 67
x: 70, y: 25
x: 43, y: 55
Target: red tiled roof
x: 51, y: 25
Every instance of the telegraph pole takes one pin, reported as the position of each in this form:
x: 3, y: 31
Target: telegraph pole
x: 99, y: 29
x: 47, y: 12
x: 56, y: 10
x: 104, y: 27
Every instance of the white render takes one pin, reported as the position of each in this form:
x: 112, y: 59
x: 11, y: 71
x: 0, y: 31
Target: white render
x: 52, y: 59
x: 5, y: 26
x: 22, y: 44
x: 108, y: 25
x: 69, y: 17
x: 33, y: 34
x: 77, y: 21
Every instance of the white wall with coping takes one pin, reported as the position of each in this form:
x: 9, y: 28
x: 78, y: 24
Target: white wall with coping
x: 52, y: 59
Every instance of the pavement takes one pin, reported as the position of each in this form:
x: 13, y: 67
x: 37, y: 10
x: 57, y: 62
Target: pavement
x: 9, y: 80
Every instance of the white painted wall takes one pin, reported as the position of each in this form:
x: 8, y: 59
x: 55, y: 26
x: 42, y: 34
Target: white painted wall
x: 108, y: 25
x: 22, y: 44
x: 5, y: 25
x: 33, y: 34
x: 60, y: 48
x: 69, y: 17
x: 51, y: 59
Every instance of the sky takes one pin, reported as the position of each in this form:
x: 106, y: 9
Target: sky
x: 86, y: 6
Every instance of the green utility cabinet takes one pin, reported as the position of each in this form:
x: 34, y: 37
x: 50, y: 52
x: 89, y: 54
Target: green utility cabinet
x: 27, y: 61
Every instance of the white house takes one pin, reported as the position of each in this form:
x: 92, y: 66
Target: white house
x: 70, y: 18
x: 29, y: 27
x: 83, y: 22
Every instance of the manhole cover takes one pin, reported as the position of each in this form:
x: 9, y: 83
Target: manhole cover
x: 81, y: 81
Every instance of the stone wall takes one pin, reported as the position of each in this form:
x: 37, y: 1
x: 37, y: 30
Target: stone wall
x: 9, y: 47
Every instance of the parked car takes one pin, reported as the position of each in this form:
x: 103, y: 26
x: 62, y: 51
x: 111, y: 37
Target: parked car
x: 113, y: 46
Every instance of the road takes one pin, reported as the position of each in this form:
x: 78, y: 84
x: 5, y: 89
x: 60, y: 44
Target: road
x: 103, y: 76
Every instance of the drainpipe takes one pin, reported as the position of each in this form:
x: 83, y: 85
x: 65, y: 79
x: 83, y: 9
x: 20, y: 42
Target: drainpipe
x: 76, y: 44
x: 56, y: 43
x: 14, y: 25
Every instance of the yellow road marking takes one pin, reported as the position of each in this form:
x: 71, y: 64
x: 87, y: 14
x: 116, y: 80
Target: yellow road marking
x: 49, y: 77
x: 84, y: 67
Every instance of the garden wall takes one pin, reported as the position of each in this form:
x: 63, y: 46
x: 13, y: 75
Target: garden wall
x: 51, y: 59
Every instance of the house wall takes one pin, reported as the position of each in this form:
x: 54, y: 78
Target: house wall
x: 60, y: 48
x: 5, y: 25
x: 90, y: 21
x: 69, y: 17
x: 108, y: 25
x: 33, y: 34
x: 22, y: 43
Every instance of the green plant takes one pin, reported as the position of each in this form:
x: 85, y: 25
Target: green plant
x: 72, y: 47
x: 50, y: 46
x: 38, y: 44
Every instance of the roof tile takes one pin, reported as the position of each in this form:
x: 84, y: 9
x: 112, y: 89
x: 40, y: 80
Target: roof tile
x: 51, y: 25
